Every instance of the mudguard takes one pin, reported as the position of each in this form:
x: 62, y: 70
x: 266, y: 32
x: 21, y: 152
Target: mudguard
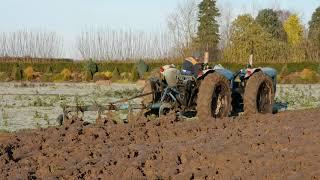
x: 272, y: 73
x: 224, y: 72
x: 219, y: 69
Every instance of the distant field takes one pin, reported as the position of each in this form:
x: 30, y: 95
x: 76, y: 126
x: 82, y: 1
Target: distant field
x: 39, y: 105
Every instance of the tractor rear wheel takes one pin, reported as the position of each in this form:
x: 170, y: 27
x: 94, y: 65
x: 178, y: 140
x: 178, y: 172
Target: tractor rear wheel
x: 214, y: 97
x: 259, y: 94
x: 148, y: 88
x: 152, y: 86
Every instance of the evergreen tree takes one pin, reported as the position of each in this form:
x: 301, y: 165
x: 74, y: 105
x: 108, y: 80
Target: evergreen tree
x: 17, y: 73
x: 294, y: 29
x: 269, y: 20
x: 141, y: 67
x: 208, y: 29
x: 314, y: 28
x: 49, y: 70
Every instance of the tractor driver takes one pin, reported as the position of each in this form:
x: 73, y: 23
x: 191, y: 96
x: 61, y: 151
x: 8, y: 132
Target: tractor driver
x: 191, y: 65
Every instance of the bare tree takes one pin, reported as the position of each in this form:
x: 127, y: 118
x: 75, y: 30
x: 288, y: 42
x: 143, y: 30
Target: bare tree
x: 225, y: 21
x: 283, y: 15
x: 183, y: 24
x: 108, y: 44
x: 254, y: 9
x: 36, y: 44
x: 276, y: 5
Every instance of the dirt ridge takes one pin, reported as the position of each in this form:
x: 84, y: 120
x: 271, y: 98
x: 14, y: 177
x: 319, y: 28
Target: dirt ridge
x: 281, y: 146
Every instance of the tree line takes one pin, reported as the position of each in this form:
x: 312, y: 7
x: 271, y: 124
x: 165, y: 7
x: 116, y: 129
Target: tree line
x: 271, y: 36
x: 108, y: 44
x: 271, y: 40
x: 26, y: 43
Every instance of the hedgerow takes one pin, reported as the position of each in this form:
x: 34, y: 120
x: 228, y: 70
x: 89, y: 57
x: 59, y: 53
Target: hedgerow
x: 14, y: 69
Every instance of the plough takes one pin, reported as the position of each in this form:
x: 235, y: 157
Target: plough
x: 123, y: 104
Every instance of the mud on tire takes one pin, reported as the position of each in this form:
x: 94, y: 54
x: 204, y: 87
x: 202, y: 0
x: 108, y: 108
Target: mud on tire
x: 151, y: 85
x: 147, y: 89
x: 214, y: 97
x: 259, y: 94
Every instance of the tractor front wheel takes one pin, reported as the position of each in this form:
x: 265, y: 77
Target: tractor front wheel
x: 259, y: 94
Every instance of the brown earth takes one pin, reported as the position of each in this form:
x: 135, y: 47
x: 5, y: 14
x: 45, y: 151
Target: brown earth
x: 281, y: 146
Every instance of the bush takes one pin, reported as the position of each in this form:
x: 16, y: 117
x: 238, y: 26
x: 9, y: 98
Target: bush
x: 4, y: 76
x: 49, y: 70
x: 134, y: 74
x: 17, y: 73
x: 76, y: 77
x: 66, y: 74
x: 58, y: 78
x: 142, y: 68
x: 15, y: 70
x: 309, y: 76
x: 87, y: 76
x: 28, y: 72
x: 46, y: 77
x: 99, y: 76
x: 108, y: 75
x: 115, y: 75
x: 91, y: 69
x: 123, y: 75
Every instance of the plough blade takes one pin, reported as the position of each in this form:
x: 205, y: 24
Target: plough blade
x: 121, y: 105
x: 71, y: 111
x: 110, y: 107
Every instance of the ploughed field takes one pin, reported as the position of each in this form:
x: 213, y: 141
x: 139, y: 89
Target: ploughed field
x: 281, y: 146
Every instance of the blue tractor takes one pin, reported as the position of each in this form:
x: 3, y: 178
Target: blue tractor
x: 212, y: 93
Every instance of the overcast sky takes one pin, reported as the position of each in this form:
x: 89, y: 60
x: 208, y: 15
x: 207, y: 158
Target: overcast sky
x: 68, y: 17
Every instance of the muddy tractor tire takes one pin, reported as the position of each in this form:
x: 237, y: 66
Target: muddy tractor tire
x: 259, y: 94
x: 147, y: 89
x: 214, y: 97
x: 153, y: 86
